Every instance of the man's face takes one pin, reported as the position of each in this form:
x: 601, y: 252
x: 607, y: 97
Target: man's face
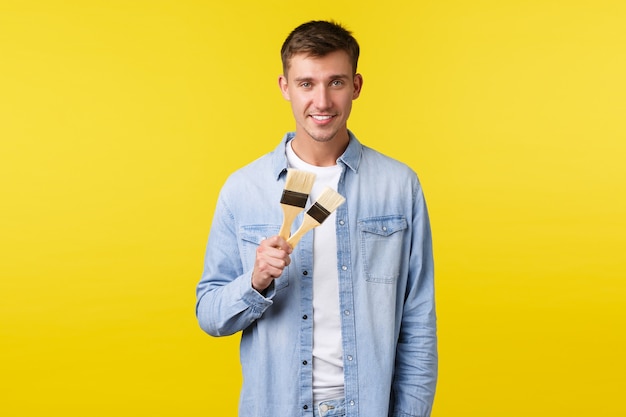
x: 321, y: 90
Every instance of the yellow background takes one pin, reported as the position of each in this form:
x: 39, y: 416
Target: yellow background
x: 120, y: 120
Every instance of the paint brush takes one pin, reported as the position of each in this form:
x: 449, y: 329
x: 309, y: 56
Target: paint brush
x: 327, y: 202
x: 295, y: 195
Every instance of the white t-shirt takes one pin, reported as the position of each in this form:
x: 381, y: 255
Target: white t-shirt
x: 328, y: 380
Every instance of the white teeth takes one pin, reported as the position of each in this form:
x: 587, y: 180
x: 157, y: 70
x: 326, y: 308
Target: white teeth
x: 321, y: 117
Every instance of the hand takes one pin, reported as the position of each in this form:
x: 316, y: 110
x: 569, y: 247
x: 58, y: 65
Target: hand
x: 272, y: 256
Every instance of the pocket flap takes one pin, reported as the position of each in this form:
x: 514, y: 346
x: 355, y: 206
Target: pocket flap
x: 258, y: 232
x: 383, y: 226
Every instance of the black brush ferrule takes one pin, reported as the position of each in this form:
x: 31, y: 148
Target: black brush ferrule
x: 294, y: 198
x: 318, y: 212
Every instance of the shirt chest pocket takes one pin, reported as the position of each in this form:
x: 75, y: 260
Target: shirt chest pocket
x: 250, y: 238
x: 381, y: 241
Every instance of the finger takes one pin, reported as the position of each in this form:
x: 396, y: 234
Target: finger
x: 273, y: 258
x: 275, y: 248
x: 279, y: 243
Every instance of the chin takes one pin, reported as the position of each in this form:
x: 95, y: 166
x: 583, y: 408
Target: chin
x: 322, y: 136
x: 322, y: 139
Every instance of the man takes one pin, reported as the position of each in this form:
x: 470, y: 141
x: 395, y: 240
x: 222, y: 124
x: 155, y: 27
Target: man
x: 344, y: 323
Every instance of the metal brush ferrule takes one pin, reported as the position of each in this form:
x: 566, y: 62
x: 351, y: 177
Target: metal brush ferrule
x: 294, y: 198
x: 318, y: 212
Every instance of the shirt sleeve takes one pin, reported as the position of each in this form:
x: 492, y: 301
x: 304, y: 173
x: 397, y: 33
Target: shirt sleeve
x: 225, y: 300
x: 416, y: 367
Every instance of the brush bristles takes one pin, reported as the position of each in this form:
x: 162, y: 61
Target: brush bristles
x: 330, y: 199
x: 299, y: 181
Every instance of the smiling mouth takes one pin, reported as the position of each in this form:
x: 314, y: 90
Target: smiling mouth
x: 321, y: 118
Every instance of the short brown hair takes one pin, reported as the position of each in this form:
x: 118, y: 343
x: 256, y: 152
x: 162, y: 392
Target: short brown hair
x: 318, y: 38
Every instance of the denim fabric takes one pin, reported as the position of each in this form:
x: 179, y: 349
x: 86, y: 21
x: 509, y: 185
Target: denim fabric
x: 386, y: 290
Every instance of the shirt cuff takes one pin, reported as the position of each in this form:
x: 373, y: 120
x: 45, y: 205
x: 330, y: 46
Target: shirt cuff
x: 256, y: 300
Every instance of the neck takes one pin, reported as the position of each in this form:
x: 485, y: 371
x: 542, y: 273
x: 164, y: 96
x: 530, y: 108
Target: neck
x: 320, y: 153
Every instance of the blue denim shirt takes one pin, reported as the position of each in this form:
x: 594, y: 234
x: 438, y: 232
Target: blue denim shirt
x: 386, y: 290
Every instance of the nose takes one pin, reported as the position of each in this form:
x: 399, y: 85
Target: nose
x: 322, y: 98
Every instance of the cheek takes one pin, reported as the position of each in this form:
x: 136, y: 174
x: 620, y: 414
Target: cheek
x: 298, y: 101
x: 346, y: 104
x: 297, y: 107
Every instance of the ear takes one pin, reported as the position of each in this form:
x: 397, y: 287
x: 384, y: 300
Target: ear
x: 357, y: 83
x: 282, y: 84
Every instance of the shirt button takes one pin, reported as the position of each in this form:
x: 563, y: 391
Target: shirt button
x: 349, y: 357
x: 341, y: 222
x: 347, y: 312
x: 305, y: 272
x: 351, y: 402
x: 305, y: 317
x: 344, y: 268
x: 306, y: 407
x: 384, y: 228
x: 304, y: 362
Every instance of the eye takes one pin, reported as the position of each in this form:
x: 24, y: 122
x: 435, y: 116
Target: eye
x: 305, y: 84
x: 336, y: 83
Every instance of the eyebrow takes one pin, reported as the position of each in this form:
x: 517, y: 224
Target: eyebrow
x: 332, y: 77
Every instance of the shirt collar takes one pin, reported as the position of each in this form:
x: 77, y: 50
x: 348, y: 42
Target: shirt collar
x: 351, y: 157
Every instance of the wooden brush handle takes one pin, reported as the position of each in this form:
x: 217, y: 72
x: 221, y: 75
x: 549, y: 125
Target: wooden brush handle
x: 307, y: 224
x: 289, y: 215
